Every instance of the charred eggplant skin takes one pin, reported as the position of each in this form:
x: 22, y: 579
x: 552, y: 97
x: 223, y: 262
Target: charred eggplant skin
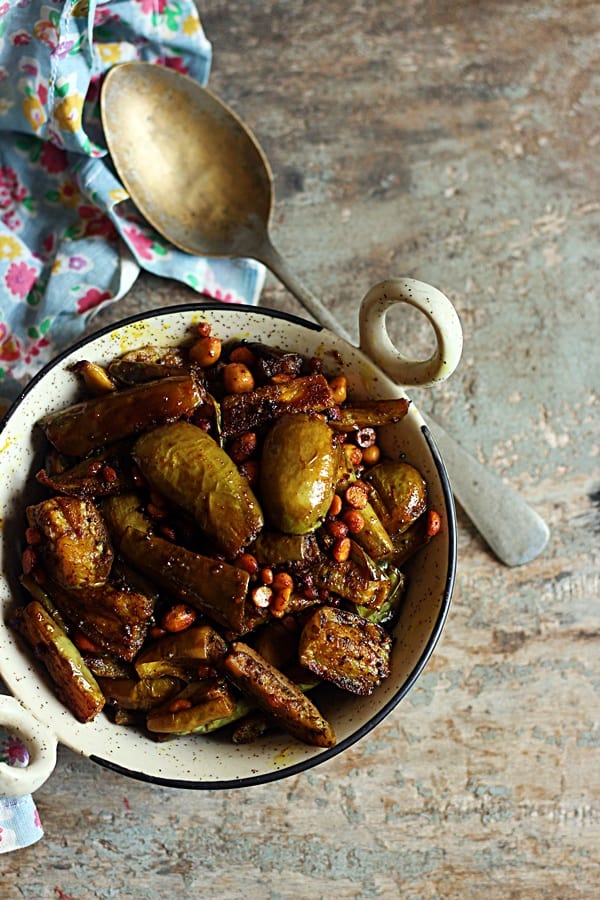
x: 74, y: 682
x: 277, y: 696
x: 257, y: 408
x: 345, y: 649
x: 141, y: 694
x: 398, y: 494
x: 75, y: 545
x: 210, y: 702
x: 218, y: 589
x: 187, y: 466
x: 299, y: 469
x: 199, y: 644
x: 86, y: 426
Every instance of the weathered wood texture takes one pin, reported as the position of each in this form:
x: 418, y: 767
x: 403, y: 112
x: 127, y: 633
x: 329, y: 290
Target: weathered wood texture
x: 456, y: 142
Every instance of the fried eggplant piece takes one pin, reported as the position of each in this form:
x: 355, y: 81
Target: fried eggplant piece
x: 171, y: 653
x: 345, y: 649
x: 74, y: 683
x: 80, y: 429
x: 141, y: 694
x: 114, y: 618
x: 255, y: 409
x: 353, y: 582
x: 297, y: 551
x: 406, y: 543
x: 95, y: 377
x: 104, y: 666
x: 188, y: 467
x: 387, y: 613
x: 277, y: 696
x: 373, y: 537
x: 371, y: 414
x: 215, y: 588
x: 271, y: 362
x: 125, y: 511
x: 210, y: 701
x: 398, y: 494
x: 242, y: 708
x: 150, y: 353
x: 75, y: 547
x: 251, y: 728
x: 37, y: 592
x: 106, y: 473
x: 147, y: 364
x: 298, y: 472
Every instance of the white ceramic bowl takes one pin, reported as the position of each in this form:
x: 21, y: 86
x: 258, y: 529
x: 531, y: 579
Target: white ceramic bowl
x: 212, y: 761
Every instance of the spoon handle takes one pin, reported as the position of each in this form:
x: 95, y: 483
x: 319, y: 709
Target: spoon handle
x: 509, y: 526
x: 513, y: 530
x: 279, y: 267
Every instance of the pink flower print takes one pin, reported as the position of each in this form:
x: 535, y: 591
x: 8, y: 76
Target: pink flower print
x: 77, y: 263
x: 174, y: 62
x: 91, y: 299
x: 95, y: 222
x: 102, y: 16
x: 20, y: 278
x: 152, y: 6
x: 29, y: 68
x: 36, y: 818
x: 141, y: 244
x: 11, y: 191
x: 34, y: 349
x: 4, y: 7
x: 217, y: 294
x: 20, y: 38
x: 53, y: 159
x: 15, y: 751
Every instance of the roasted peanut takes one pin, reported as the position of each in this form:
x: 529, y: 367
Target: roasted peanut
x: 206, y: 351
x: 178, y: 618
x: 238, y: 378
x: 339, y: 388
x: 371, y: 455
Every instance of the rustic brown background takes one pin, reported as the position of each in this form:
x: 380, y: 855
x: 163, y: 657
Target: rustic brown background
x: 455, y: 141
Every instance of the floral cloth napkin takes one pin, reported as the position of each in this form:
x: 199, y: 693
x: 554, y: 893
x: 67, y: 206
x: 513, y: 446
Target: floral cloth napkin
x: 70, y: 239
x: 20, y: 824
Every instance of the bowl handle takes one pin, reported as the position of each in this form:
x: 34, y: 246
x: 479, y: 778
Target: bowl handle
x: 376, y: 343
x: 40, y: 742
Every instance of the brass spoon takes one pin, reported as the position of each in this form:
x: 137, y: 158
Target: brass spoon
x: 201, y: 179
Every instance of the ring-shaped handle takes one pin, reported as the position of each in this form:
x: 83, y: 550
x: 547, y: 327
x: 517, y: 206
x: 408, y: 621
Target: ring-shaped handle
x: 40, y: 742
x: 376, y: 343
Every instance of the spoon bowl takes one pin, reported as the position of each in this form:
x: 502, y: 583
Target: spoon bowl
x: 194, y: 171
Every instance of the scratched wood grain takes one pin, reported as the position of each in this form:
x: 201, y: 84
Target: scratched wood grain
x: 455, y: 141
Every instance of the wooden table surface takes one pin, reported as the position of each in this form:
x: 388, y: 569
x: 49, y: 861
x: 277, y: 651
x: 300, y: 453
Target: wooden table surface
x: 456, y: 142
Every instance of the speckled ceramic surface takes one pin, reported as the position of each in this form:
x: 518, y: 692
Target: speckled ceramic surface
x: 213, y: 761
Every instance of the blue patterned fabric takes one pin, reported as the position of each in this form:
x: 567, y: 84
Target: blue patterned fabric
x: 70, y: 239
